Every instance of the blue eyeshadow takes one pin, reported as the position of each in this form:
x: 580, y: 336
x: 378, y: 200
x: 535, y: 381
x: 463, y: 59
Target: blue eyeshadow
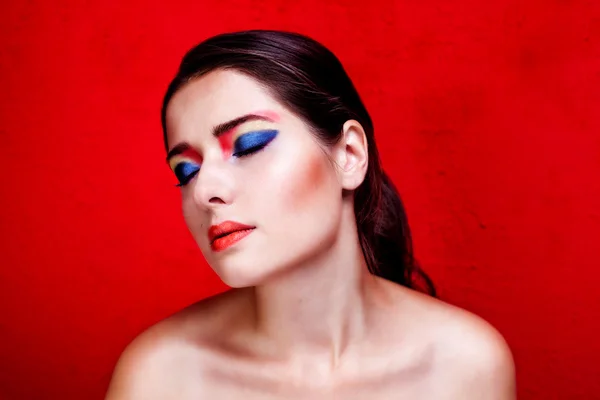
x: 184, y: 171
x: 253, y: 140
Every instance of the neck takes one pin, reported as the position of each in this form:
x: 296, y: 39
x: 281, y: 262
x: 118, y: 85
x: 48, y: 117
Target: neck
x: 320, y: 307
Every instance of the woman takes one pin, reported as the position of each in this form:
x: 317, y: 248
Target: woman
x: 283, y: 191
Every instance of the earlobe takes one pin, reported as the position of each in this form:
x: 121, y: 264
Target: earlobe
x: 353, y: 155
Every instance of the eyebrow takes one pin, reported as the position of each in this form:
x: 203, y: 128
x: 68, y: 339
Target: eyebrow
x: 220, y: 130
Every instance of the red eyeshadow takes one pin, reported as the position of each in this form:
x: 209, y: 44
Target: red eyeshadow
x: 226, y: 142
x: 191, y: 154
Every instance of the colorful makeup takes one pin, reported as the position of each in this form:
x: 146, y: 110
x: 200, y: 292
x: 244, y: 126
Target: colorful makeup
x: 258, y: 125
x: 226, y: 142
x: 239, y: 137
x: 246, y: 143
x: 185, y: 165
x: 268, y: 115
x: 253, y: 141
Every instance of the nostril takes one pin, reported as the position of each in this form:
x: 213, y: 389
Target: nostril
x: 216, y: 200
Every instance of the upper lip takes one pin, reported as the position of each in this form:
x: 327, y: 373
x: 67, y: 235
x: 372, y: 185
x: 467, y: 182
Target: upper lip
x: 225, y: 228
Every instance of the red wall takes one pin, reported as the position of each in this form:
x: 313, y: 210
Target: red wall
x: 487, y: 116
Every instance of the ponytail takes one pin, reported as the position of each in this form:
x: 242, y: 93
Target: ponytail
x: 385, y: 234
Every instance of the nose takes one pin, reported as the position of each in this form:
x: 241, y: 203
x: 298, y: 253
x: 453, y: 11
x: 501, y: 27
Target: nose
x: 214, y: 186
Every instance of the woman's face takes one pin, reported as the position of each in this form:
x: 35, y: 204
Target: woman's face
x: 240, y: 156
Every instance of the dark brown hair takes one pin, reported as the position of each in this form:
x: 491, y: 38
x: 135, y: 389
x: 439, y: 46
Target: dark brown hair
x: 310, y: 81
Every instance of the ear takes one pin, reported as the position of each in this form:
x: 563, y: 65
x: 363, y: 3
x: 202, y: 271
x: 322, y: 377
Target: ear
x: 351, y: 154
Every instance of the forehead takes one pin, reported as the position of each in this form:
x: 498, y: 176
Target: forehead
x: 214, y: 98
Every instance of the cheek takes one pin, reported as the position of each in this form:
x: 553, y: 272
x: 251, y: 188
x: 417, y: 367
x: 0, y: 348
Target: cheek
x: 308, y: 186
x: 191, y: 215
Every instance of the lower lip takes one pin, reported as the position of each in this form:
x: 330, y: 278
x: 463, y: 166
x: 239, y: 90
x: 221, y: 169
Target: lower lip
x: 229, y: 240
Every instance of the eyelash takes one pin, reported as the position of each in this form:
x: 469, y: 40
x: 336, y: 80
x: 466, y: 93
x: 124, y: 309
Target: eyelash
x: 184, y: 181
x: 240, y: 154
x: 251, y: 150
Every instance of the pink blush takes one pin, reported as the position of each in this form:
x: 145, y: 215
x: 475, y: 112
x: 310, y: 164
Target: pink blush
x: 310, y: 181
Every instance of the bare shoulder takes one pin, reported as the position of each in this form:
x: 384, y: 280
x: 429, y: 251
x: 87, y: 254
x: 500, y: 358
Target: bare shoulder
x: 475, y: 356
x: 470, y: 355
x: 166, y: 354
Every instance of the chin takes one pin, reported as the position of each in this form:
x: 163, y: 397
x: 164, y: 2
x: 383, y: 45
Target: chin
x: 240, y: 276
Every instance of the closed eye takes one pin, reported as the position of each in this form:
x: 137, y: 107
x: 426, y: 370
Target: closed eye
x: 252, y: 142
x: 185, y: 171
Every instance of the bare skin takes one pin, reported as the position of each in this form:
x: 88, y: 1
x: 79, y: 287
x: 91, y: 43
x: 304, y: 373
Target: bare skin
x: 414, y: 347
x: 306, y: 319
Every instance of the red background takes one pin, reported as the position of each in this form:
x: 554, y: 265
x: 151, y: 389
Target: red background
x: 487, y: 116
